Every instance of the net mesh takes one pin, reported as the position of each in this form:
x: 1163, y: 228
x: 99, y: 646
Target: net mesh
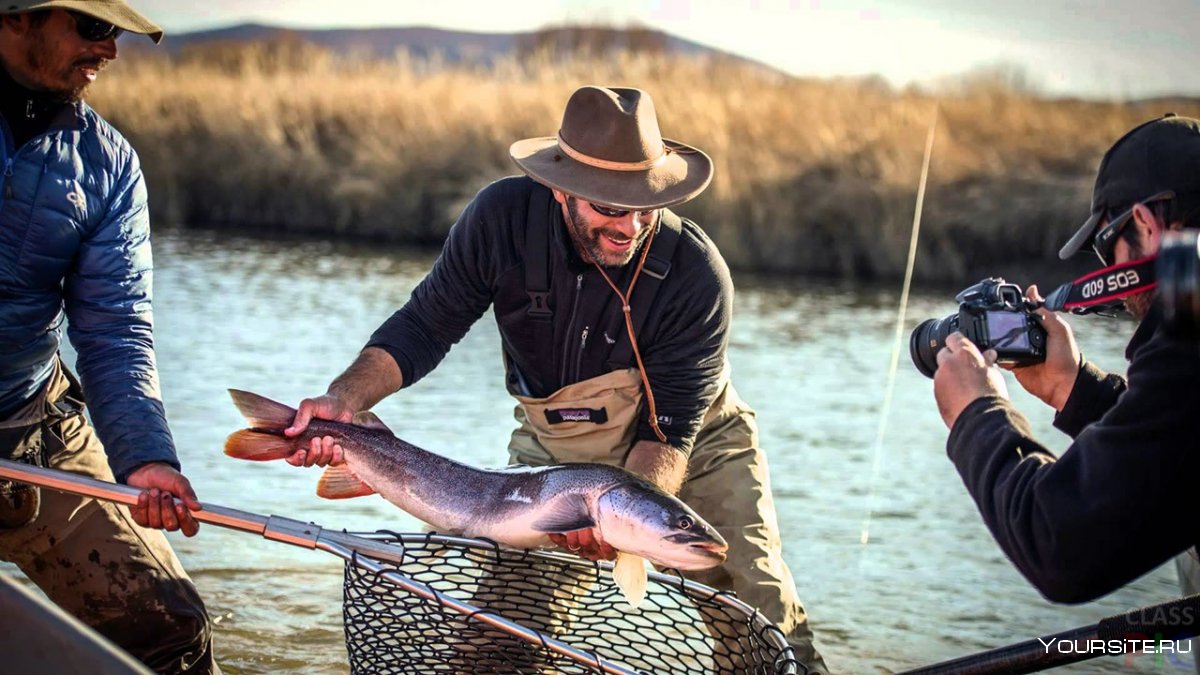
x: 680, y: 627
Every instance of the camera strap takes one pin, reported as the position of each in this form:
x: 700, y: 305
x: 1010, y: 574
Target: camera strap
x: 1103, y: 290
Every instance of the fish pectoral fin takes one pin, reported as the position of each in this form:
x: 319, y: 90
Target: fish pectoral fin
x: 369, y: 420
x: 565, y: 515
x: 339, y: 482
x: 629, y: 573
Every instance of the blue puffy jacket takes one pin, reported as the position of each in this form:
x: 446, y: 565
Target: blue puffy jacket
x: 75, y: 244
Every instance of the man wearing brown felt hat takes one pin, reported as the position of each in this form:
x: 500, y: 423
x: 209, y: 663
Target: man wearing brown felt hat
x: 614, y: 318
x: 75, y: 250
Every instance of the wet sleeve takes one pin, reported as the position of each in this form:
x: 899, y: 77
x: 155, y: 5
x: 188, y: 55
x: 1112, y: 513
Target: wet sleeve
x: 1113, y: 506
x: 448, y: 301
x: 110, y: 323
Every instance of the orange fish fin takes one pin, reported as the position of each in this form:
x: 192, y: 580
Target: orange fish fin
x: 339, y: 482
x: 262, y: 412
x: 257, y: 446
x: 369, y: 420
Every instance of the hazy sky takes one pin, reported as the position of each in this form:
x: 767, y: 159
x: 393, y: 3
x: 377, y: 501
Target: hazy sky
x: 1093, y: 48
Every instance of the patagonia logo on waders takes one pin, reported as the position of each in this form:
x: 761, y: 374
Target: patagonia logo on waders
x: 561, y: 415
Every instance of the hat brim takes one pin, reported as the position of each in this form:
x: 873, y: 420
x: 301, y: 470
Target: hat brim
x: 684, y: 173
x: 1081, y: 237
x: 118, y: 14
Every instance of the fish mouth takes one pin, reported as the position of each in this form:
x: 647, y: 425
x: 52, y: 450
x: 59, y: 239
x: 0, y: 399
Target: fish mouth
x: 700, y: 555
x: 711, y: 540
x: 713, y: 550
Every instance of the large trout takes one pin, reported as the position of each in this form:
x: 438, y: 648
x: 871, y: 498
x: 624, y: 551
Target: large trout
x: 517, y: 506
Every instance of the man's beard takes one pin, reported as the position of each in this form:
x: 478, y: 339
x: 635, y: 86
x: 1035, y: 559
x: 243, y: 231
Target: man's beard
x: 589, y: 242
x: 35, y: 58
x: 1138, y: 304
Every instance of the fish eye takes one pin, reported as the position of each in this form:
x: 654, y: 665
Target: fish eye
x: 685, y: 522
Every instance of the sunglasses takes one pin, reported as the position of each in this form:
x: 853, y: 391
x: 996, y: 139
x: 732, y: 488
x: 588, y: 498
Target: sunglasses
x: 92, y: 29
x: 1105, y: 240
x: 615, y: 213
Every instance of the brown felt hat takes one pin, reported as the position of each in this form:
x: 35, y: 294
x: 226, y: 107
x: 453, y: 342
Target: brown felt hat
x: 116, y: 12
x: 609, y: 151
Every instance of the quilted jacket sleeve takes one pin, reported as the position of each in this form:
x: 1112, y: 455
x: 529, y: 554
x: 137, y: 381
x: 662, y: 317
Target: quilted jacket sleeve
x: 108, y: 302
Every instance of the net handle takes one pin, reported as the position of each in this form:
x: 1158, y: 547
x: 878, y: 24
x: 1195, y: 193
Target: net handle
x: 123, y: 494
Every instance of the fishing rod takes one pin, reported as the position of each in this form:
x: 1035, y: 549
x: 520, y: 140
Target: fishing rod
x: 898, y: 340
x: 1136, y: 631
x: 352, y: 548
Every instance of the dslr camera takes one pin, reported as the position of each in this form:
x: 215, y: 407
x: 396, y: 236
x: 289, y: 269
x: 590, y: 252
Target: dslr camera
x: 1178, y: 274
x: 992, y: 314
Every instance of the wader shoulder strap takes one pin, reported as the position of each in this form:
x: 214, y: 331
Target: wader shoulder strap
x: 537, y: 269
x: 658, y: 265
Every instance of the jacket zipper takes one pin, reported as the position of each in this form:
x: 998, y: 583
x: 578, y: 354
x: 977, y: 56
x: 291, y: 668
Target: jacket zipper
x: 9, y: 152
x: 8, y: 173
x: 579, y: 356
x: 569, y: 331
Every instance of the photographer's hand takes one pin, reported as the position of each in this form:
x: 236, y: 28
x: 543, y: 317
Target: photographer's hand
x: 1053, y: 379
x: 963, y: 375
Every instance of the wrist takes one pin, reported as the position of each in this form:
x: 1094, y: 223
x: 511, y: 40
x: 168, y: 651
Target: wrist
x: 141, y: 469
x: 345, y: 396
x: 1062, y: 393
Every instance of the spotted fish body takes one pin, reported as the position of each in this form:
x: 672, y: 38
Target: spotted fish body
x: 517, y: 506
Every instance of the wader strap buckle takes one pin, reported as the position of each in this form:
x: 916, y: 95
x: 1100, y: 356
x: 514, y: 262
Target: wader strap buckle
x: 539, y: 305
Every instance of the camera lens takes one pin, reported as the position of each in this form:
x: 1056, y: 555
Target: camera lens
x: 1178, y: 277
x: 927, y: 340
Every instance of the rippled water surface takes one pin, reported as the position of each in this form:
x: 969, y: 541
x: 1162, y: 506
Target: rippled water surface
x: 282, y: 319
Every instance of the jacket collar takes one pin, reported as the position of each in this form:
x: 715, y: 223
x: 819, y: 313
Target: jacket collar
x: 1145, y: 330
x: 31, y: 113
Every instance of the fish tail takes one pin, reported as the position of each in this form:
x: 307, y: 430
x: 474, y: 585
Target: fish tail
x: 261, y: 412
x: 258, y: 446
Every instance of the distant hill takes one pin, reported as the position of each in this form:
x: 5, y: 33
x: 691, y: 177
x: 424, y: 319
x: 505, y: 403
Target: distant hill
x: 455, y: 46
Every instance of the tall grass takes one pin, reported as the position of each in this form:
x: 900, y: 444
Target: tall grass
x: 812, y: 177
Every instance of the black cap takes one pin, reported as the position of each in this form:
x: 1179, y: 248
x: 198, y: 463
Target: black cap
x: 1158, y: 156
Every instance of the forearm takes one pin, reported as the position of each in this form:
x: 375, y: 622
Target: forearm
x: 121, y: 386
x: 373, y: 376
x: 658, y: 463
x: 1095, y: 392
x: 1080, y: 525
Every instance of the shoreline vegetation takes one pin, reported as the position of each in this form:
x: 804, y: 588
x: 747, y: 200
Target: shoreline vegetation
x: 813, y: 177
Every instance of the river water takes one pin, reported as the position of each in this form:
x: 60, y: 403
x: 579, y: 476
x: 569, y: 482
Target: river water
x: 282, y: 319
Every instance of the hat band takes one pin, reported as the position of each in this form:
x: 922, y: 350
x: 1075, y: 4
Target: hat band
x: 608, y: 164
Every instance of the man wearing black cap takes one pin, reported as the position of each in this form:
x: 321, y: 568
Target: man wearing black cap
x: 1118, y: 502
x: 614, y: 318
x: 74, y: 245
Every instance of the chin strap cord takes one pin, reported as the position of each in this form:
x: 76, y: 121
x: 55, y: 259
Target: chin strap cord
x: 625, y: 307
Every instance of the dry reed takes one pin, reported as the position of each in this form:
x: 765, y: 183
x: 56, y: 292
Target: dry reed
x: 813, y: 177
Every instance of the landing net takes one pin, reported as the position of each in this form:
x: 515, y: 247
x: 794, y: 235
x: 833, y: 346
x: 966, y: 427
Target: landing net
x: 681, y: 627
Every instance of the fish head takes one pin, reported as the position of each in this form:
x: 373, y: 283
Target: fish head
x: 635, y: 517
